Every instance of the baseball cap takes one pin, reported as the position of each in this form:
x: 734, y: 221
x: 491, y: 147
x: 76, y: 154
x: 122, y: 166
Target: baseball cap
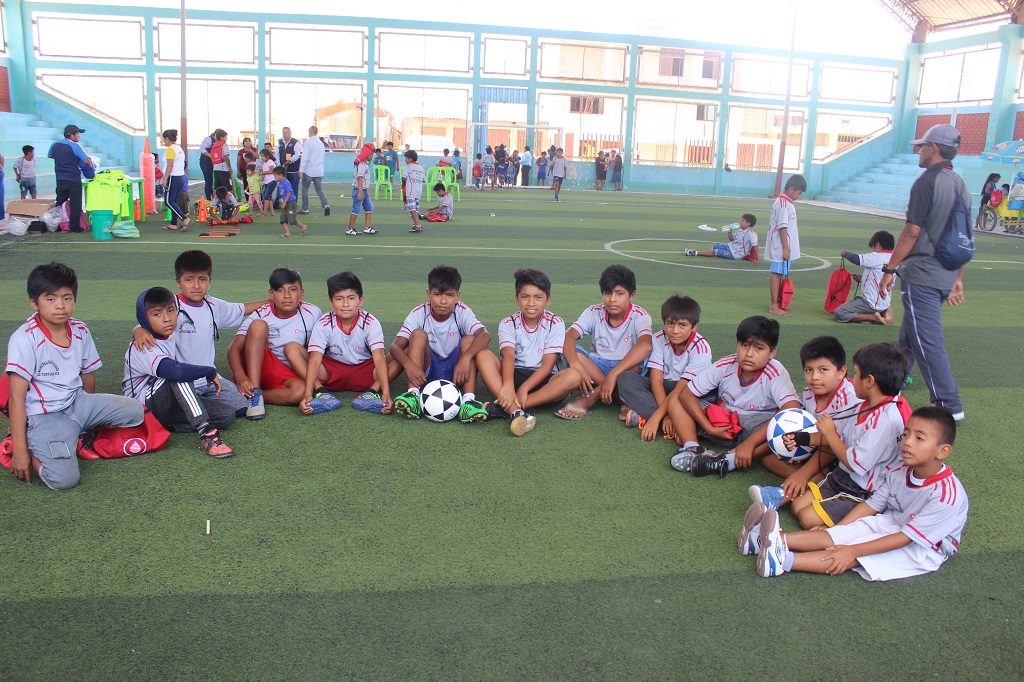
x: 72, y: 130
x: 941, y: 134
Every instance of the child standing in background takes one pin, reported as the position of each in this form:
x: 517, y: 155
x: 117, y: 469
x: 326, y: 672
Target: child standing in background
x: 252, y: 190
x: 25, y: 172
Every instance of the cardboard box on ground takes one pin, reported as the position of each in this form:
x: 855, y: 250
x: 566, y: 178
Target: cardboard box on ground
x: 30, y: 208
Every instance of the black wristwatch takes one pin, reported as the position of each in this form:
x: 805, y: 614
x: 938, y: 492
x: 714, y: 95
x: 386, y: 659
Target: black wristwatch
x: 889, y: 271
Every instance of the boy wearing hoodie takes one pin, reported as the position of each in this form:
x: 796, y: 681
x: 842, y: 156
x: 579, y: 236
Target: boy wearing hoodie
x: 155, y: 378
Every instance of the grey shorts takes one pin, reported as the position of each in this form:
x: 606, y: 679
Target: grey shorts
x: 858, y: 306
x: 836, y: 496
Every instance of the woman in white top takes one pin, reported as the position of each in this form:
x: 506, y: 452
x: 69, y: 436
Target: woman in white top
x: 175, y: 181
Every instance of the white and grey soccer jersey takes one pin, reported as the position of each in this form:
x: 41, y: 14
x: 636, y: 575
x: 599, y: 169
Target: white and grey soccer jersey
x: 54, y: 373
x: 873, y: 263
x: 783, y: 216
x: 447, y: 205
x: 557, y: 167
x: 199, y: 326
x: 742, y: 241
x: 694, y: 358
x: 873, y: 440
x: 843, y: 402
x: 762, y: 396
x: 932, y: 512
x: 414, y: 177
x: 140, y: 380
x: 284, y: 330
x: 444, y: 336
x: 351, y: 347
x: 608, y: 342
x: 361, y: 170
x: 531, y: 345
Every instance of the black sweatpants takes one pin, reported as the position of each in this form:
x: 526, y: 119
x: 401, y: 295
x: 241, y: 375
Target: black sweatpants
x: 179, y: 409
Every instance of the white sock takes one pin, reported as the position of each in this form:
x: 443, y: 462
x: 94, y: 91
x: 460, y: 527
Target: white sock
x: 690, y: 444
x: 730, y: 457
x: 468, y: 396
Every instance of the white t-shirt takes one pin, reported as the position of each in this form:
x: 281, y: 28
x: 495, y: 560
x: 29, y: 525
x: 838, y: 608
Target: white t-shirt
x: 361, y: 170
x: 531, y: 345
x: 526, y: 159
x: 414, y: 176
x: 284, y: 330
x: 783, y: 216
x: 608, y: 342
x: 444, y: 336
x: 54, y: 373
x: 140, y: 380
x: 351, y: 347
x: 842, y: 402
x: 447, y: 205
x: 312, y: 161
x: 693, y: 359
x: 176, y: 156
x: 742, y: 241
x: 199, y: 326
x: 872, y: 441
x: 932, y: 512
x: 762, y: 396
x: 557, y: 167
x: 873, y: 262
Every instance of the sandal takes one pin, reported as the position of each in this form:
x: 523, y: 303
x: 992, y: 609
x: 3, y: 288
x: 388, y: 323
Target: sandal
x: 284, y: 236
x: 169, y: 228
x: 572, y: 412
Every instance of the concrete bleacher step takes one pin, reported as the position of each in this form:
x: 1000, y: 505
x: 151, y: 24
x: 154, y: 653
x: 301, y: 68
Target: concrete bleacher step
x: 886, y: 185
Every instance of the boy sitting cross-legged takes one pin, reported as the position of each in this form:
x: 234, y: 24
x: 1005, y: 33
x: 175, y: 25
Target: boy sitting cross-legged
x: 269, y: 341
x: 679, y: 353
x: 753, y: 385
x: 620, y: 341
x: 346, y: 352
x: 155, y: 377
x: 873, y: 304
x: 440, y: 340
x: 445, y: 208
x: 530, y: 343
x: 829, y: 392
x: 51, y: 365
x: 910, y: 525
x: 200, y: 319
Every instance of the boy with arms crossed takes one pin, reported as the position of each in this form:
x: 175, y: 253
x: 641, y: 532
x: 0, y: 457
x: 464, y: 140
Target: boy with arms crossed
x: 751, y: 383
x: 828, y: 392
x: 679, y: 353
x: 271, y: 338
x: 783, y: 241
x: 440, y: 340
x: 154, y: 377
x: 51, y: 361
x: 911, y: 524
x: 530, y: 343
x: 346, y: 351
x: 620, y: 341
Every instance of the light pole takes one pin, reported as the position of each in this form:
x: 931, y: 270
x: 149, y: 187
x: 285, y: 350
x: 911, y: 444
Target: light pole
x: 785, y: 107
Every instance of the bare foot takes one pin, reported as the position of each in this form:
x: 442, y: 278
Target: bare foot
x: 776, y: 310
x: 878, y: 318
x: 887, y: 318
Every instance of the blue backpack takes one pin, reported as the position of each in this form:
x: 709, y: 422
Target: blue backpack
x: 955, y: 246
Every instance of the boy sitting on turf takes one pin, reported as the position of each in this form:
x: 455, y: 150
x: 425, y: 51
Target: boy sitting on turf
x: 873, y: 304
x: 753, y: 385
x: 156, y: 378
x: 869, y: 442
x: 346, y: 351
x: 224, y: 201
x: 440, y: 340
x: 271, y: 338
x: 51, y: 365
x: 445, y: 208
x: 741, y: 241
x: 679, y: 353
x: 829, y: 392
x: 287, y: 194
x: 909, y: 526
x: 530, y: 343
x: 620, y: 341
x: 200, y: 319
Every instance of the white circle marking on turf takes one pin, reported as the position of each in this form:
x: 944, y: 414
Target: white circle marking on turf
x: 610, y: 246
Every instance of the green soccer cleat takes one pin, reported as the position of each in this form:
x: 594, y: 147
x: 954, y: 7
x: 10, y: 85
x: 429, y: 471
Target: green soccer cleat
x: 472, y: 411
x: 408, y: 404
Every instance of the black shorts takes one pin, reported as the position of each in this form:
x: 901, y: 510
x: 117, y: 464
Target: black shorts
x: 524, y: 373
x: 836, y: 496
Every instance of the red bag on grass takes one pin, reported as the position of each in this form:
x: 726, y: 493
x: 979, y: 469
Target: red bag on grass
x: 754, y: 254
x: 149, y: 436
x: 719, y: 417
x: 786, y: 290
x: 838, y: 290
x: 436, y: 218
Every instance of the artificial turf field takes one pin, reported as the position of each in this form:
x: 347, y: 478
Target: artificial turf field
x: 356, y: 546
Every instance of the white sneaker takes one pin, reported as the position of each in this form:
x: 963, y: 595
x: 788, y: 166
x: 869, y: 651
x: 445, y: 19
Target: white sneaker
x: 256, y: 409
x: 689, y: 252
x: 352, y: 232
x: 749, y: 542
x: 773, y: 546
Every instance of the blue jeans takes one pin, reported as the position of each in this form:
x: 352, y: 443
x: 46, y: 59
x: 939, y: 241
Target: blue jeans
x: 28, y: 187
x: 53, y: 437
x: 365, y: 203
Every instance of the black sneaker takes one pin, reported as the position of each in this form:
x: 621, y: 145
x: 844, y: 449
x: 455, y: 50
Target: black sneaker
x: 495, y: 411
x: 706, y: 464
x: 327, y: 211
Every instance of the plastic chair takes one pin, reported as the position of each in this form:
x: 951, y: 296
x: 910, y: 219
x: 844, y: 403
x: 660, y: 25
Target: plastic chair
x: 450, y: 178
x: 382, y: 178
x: 434, y: 176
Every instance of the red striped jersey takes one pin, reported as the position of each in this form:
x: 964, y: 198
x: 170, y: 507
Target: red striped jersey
x: 445, y: 335
x: 531, y: 345
x: 762, y: 395
x: 54, y: 373
x: 284, y: 330
x: 873, y: 440
x: 932, y: 511
x: 692, y: 359
x: 351, y: 347
x: 608, y: 342
x: 842, y: 403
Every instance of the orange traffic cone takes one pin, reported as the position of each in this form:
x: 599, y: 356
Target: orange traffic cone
x: 202, y: 210
x: 138, y: 210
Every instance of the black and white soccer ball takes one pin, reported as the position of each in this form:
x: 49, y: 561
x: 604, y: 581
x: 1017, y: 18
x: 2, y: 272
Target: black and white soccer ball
x: 441, y: 400
x: 792, y: 420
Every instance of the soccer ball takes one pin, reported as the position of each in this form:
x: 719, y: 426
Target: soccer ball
x: 793, y: 420
x: 441, y: 400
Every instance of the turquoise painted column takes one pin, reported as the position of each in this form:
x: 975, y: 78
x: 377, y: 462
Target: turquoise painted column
x: 1002, y: 120
x: 905, y: 119
x: 811, y: 125
x: 262, y: 122
x: 627, y: 137
x: 21, y: 55
x: 531, y: 89
x: 370, y: 102
x: 152, y: 125
x: 723, y: 118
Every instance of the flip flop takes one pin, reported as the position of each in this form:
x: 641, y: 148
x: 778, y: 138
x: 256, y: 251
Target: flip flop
x: 169, y: 228
x: 571, y: 409
x: 284, y: 236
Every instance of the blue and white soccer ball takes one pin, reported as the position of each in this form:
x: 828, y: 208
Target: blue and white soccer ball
x: 441, y: 400
x: 792, y: 420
